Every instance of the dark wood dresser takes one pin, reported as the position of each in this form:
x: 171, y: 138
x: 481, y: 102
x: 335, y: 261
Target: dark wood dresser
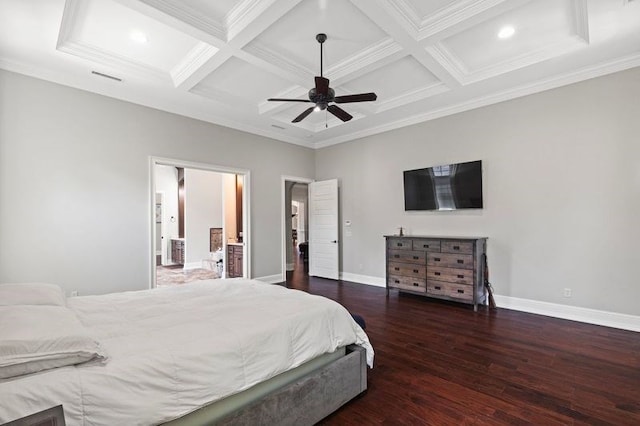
x: 234, y: 260
x: 177, y: 251
x: 449, y: 268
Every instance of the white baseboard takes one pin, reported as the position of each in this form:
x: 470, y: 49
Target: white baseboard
x: 271, y: 279
x: 192, y: 265
x: 574, y: 313
x: 363, y: 279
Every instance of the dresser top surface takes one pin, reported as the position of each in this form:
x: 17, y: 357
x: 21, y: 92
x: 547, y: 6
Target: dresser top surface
x: 437, y: 237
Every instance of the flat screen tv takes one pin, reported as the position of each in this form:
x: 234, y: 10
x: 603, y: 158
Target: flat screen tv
x: 447, y: 187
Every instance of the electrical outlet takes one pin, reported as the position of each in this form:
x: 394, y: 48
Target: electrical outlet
x: 567, y: 292
x: 74, y: 293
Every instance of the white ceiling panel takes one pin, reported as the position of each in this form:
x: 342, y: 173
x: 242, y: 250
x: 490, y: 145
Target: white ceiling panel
x: 293, y: 36
x: 400, y: 79
x: 239, y: 78
x: 219, y: 61
x: 111, y: 28
x: 541, y: 30
x: 538, y: 25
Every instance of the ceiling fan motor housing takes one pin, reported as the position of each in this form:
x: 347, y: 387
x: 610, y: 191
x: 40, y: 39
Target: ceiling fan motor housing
x: 320, y: 99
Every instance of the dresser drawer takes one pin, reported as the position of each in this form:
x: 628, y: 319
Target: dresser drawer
x: 450, y: 260
x: 399, y: 244
x: 426, y: 244
x: 407, y: 270
x: 408, y: 283
x: 408, y: 256
x: 453, y: 291
x: 452, y: 246
x: 451, y: 275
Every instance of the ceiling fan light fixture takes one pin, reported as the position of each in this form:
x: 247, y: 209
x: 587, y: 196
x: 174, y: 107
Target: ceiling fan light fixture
x: 139, y: 37
x: 506, y: 32
x: 324, y: 97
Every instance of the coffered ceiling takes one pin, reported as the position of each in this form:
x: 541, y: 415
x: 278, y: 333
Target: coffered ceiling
x: 219, y: 61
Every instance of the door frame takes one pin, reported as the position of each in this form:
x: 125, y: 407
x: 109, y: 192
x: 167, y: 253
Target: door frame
x: 283, y: 226
x: 246, y: 211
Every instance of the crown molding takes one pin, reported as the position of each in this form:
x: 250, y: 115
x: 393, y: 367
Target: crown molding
x: 243, y: 14
x: 192, y: 62
x: 585, y: 73
x: 412, y: 96
x: 456, y: 67
x: 112, y: 60
x: 451, y: 15
x: 189, y: 16
x: 70, y: 15
x: 580, y: 17
x: 271, y: 57
x: 363, y: 59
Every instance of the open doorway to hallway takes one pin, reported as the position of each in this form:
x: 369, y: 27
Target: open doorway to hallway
x: 200, y: 226
x: 296, y: 229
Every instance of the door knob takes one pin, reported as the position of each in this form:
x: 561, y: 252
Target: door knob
x: 334, y: 241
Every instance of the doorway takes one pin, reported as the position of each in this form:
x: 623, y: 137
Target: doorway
x: 295, y: 228
x: 200, y: 224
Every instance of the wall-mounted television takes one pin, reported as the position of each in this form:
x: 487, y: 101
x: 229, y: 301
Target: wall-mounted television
x: 447, y: 187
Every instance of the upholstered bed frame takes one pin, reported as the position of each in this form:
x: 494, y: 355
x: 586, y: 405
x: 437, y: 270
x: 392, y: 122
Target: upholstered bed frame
x: 301, y: 401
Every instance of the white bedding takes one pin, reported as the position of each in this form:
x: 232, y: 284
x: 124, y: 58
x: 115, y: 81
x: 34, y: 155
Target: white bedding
x: 174, y: 349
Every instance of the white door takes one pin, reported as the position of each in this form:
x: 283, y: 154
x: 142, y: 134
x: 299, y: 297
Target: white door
x: 323, y: 229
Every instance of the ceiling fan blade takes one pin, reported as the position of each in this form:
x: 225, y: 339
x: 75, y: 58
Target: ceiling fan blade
x: 360, y: 97
x: 339, y: 112
x: 322, y: 86
x: 288, y: 100
x: 303, y: 115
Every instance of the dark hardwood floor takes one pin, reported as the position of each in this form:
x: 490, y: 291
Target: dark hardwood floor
x: 441, y: 363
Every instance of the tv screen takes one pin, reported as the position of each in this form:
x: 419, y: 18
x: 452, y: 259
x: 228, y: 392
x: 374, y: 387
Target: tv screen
x: 448, y: 187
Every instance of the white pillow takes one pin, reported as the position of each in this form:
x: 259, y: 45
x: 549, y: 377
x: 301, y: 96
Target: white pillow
x: 31, y: 294
x: 35, y: 338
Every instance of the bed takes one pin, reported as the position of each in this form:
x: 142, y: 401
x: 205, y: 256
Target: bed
x: 217, y: 351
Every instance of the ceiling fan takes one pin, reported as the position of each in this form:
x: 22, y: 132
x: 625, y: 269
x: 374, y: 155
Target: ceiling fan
x: 322, y: 95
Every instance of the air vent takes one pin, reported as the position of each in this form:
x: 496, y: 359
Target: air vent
x: 106, y: 76
x: 277, y: 127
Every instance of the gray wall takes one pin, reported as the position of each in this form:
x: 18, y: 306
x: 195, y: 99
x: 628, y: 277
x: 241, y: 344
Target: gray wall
x: 562, y: 191
x: 74, y: 184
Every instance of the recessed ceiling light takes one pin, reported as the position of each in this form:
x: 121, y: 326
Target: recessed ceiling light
x: 506, y: 32
x: 138, y: 37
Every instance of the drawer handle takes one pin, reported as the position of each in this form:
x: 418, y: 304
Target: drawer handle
x: 436, y: 259
x: 437, y: 287
x: 397, y: 281
x: 416, y: 257
x: 461, y: 276
x: 415, y: 271
x: 416, y: 285
x: 461, y: 291
x: 456, y: 247
x: 399, y: 244
x: 436, y: 273
x: 460, y: 261
x: 425, y: 245
x: 396, y: 256
x: 397, y: 269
